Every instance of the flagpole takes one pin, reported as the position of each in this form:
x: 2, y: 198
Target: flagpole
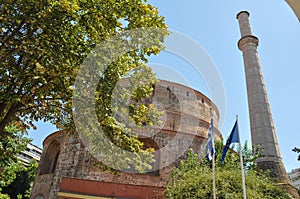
x: 213, y: 156
x: 214, y: 176
x: 241, y: 161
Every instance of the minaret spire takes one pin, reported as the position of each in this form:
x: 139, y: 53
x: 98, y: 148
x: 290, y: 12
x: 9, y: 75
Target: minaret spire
x: 262, y: 127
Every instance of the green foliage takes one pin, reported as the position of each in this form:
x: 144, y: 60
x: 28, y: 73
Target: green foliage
x: 232, y: 158
x: 44, y: 43
x: 4, y: 196
x: 297, y: 150
x: 193, y: 179
x: 12, y: 142
x: 23, y: 183
x: 120, y: 147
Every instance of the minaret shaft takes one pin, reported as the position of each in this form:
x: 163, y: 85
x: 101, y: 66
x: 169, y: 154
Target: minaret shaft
x: 262, y: 128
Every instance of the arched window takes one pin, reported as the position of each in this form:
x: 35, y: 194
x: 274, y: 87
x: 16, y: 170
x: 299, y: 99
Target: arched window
x: 49, y: 161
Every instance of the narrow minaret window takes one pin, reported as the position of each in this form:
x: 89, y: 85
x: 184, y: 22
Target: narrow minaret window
x: 262, y: 128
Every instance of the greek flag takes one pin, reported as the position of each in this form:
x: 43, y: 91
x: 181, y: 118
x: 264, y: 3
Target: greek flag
x: 210, y: 146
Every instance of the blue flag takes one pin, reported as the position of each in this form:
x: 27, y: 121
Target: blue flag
x: 233, y: 138
x: 210, y: 146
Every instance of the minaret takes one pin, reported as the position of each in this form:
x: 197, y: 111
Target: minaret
x: 263, y: 132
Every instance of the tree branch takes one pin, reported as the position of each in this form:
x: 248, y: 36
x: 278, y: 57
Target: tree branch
x: 11, y: 112
x: 12, y: 34
x: 2, y: 107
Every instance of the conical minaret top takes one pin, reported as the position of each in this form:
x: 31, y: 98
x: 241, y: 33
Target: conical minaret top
x: 262, y: 128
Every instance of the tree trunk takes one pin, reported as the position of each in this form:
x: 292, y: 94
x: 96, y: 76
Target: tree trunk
x: 13, y: 109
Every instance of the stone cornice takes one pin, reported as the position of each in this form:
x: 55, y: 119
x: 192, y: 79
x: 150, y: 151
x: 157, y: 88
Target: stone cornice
x: 248, y: 39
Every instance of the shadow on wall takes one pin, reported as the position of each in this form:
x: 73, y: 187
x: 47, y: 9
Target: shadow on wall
x: 51, y: 157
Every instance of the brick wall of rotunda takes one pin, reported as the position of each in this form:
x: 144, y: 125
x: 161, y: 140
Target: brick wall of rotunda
x: 67, y: 169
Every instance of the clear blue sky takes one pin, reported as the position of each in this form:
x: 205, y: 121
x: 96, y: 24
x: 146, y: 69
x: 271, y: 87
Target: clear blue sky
x: 213, y: 25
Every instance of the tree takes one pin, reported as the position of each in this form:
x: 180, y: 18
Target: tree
x: 297, y: 150
x: 22, y: 184
x: 44, y: 43
x: 12, y: 142
x: 193, y: 179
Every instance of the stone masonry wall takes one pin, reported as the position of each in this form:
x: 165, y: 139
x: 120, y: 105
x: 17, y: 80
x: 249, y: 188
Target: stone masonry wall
x: 185, y: 124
